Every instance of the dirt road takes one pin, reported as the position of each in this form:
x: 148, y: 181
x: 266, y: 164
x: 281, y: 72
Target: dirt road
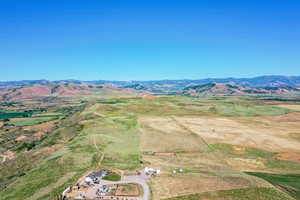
x: 141, y: 180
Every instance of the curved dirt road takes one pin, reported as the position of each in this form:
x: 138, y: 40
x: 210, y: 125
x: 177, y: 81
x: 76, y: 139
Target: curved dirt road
x: 141, y: 180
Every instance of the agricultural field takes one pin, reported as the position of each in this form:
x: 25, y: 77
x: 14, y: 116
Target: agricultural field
x: 206, y: 148
x: 30, y: 121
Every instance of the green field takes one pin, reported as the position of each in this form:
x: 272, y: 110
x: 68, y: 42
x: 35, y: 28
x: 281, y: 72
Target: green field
x: 31, y: 121
x: 247, y: 110
x: 249, y: 152
x: 268, y: 158
x: 289, y: 183
x: 8, y: 115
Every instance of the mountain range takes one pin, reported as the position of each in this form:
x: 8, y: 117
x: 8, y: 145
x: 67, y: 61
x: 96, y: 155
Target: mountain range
x: 263, y: 85
x: 260, y: 81
x: 230, y: 89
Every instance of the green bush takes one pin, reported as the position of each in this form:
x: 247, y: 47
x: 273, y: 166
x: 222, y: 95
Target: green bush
x: 112, y: 177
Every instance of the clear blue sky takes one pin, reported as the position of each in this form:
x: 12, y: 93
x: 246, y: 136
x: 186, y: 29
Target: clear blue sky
x: 142, y: 40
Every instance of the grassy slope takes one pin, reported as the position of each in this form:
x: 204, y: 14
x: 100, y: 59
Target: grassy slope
x: 112, y: 177
x: 113, y: 136
x: 50, y: 170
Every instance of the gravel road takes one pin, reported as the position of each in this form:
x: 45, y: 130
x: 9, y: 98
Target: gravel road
x: 141, y: 180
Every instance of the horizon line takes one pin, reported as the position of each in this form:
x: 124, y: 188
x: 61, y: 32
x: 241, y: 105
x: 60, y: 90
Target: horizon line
x: 115, y: 80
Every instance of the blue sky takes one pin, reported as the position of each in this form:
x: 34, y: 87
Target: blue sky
x: 148, y: 40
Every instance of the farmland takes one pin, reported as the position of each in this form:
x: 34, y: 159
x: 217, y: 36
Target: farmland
x: 218, y: 143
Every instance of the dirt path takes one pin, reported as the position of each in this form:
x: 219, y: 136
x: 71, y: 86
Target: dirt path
x: 99, y: 151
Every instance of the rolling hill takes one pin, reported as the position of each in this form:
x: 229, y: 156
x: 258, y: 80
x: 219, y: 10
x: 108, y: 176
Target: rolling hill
x: 231, y: 89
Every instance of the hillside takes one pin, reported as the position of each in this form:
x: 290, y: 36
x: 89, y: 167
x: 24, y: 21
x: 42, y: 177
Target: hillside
x: 60, y: 90
x: 231, y: 89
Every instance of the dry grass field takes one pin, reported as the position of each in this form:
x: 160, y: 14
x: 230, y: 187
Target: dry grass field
x: 167, y: 186
x: 262, y: 132
x: 290, y: 106
x: 163, y: 134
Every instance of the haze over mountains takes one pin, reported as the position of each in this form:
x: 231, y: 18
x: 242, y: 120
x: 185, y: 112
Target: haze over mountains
x: 260, y: 81
x: 263, y: 85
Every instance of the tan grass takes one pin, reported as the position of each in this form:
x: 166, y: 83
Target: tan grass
x: 246, y: 164
x: 167, y: 186
x: 291, y: 107
x: 164, y: 135
x: 272, y: 136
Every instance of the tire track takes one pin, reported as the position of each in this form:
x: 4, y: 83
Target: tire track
x: 202, y: 142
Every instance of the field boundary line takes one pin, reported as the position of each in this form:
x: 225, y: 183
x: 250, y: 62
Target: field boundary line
x: 190, y: 131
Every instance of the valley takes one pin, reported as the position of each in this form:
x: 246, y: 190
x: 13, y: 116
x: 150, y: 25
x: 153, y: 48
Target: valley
x: 212, y: 147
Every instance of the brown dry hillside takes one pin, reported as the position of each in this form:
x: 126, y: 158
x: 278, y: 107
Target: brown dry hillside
x: 27, y: 92
x: 36, y: 91
x: 70, y: 90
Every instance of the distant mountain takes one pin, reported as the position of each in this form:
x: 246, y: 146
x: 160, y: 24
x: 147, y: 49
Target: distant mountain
x: 6, y: 84
x: 261, y: 81
x: 155, y: 88
x: 269, y: 83
x: 231, y: 89
x: 135, y: 86
x: 46, y: 82
x: 170, y: 86
x: 37, y: 90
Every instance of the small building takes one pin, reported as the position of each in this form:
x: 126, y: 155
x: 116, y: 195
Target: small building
x: 97, y: 176
x: 88, y: 180
x: 151, y: 171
